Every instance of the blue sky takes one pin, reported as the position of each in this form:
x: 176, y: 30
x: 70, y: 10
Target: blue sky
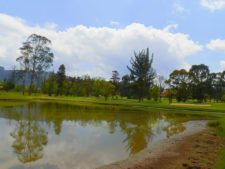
x: 201, y: 24
x: 201, y: 21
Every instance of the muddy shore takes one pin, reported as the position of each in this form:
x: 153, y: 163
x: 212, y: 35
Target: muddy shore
x: 196, y: 148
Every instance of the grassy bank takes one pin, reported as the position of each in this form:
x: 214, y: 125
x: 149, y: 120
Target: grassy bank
x: 163, y: 104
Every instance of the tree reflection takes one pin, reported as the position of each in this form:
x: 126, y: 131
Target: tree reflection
x: 173, y: 129
x: 174, y: 126
x: 29, y: 141
x: 29, y: 138
x: 137, y: 138
x: 138, y: 133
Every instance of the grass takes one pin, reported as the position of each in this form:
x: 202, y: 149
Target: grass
x: 221, y: 163
x: 206, y: 110
x: 190, y: 105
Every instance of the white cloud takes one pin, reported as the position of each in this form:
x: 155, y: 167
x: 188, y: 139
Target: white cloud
x: 178, y: 7
x: 216, y: 45
x: 213, y: 5
x: 171, y: 27
x: 222, y: 65
x: 98, y: 50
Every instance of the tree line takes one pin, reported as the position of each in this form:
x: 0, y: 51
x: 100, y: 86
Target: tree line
x: 197, y: 83
x: 142, y: 81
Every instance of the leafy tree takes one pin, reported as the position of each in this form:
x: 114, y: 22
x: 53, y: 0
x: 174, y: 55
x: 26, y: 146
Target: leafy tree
x: 10, y: 82
x: 8, y: 85
x: 161, y: 84
x: 199, y: 75
x: 141, y: 73
x: 169, y: 93
x: 216, y: 85
x: 49, y: 86
x: 125, y: 86
x: 60, y: 79
x: 86, y: 83
x: 179, y: 81
x: 36, y: 56
x: 103, y: 88
x: 155, y: 92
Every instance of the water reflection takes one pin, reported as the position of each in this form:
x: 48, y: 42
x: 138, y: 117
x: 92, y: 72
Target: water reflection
x: 29, y: 138
x: 29, y: 141
x: 66, y: 136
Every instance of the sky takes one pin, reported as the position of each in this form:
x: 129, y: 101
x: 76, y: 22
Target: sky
x: 97, y: 36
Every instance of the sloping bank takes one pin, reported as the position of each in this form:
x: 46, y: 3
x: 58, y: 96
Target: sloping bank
x: 196, y: 148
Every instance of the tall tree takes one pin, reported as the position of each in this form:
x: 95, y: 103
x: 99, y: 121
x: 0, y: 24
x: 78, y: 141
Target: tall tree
x: 125, y: 86
x: 179, y: 82
x: 49, y: 86
x: 141, y: 73
x: 115, y: 81
x: 216, y: 85
x: 160, y: 81
x: 36, y: 56
x: 154, y: 90
x: 103, y: 88
x: 60, y: 79
x: 199, y: 75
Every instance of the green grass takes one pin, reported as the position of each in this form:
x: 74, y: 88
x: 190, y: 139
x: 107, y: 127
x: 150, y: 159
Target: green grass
x: 214, y: 107
x: 221, y: 163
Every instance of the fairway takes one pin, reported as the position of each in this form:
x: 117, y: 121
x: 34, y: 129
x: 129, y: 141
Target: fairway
x: 191, y: 105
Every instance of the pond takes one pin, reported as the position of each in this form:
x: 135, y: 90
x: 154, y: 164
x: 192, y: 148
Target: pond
x: 63, y: 136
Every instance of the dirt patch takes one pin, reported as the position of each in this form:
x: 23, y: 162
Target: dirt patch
x: 191, y: 105
x: 196, y: 151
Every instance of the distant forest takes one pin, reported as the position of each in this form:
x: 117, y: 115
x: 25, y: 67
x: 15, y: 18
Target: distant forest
x: 141, y: 83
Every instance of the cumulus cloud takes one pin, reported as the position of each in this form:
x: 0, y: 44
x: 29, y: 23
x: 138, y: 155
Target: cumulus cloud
x: 171, y: 27
x: 216, y: 45
x: 98, y: 50
x: 213, y: 5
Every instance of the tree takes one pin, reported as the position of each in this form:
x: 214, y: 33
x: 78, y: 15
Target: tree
x: 49, y: 86
x: 8, y: 85
x: 179, y: 82
x: 125, y: 86
x: 104, y: 88
x: 199, y: 75
x: 60, y: 79
x: 160, y: 81
x: 216, y: 85
x: 36, y: 57
x: 155, y: 92
x: 115, y: 81
x: 169, y: 94
x: 141, y: 73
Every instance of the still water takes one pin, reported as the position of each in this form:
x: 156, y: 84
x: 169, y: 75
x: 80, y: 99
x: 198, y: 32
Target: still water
x: 60, y: 136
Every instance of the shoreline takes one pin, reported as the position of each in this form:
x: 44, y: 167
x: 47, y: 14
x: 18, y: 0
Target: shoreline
x: 185, y: 150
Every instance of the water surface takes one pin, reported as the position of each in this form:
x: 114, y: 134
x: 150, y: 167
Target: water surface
x: 60, y: 136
